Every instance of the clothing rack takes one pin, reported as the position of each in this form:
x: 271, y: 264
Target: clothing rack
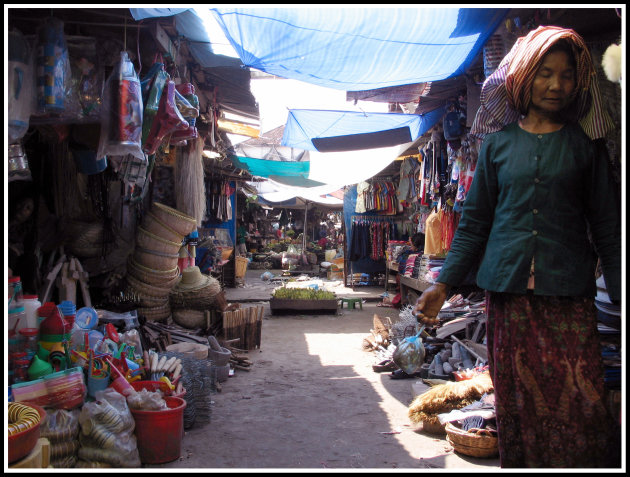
x: 372, y: 218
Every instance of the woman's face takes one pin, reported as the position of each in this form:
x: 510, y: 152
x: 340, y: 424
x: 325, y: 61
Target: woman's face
x: 553, y: 84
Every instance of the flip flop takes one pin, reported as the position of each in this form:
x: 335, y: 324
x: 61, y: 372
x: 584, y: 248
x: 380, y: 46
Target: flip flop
x: 400, y: 374
x: 385, y: 365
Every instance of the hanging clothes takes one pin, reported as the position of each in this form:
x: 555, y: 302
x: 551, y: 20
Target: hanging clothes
x: 433, y: 234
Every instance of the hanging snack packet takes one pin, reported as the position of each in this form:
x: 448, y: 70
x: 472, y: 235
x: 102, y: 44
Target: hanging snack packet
x: 121, y: 118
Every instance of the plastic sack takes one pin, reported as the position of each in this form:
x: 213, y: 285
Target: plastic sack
x: 21, y: 85
x: 88, y: 76
x: 53, y: 67
x: 154, y: 84
x: 107, y: 431
x: 121, y: 112
x: 60, y: 425
x: 145, y: 400
x: 409, y: 354
x: 167, y: 120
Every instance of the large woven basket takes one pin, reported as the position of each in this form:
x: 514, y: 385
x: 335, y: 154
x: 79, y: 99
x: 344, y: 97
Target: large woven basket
x: 147, y: 289
x: 200, y: 299
x: 160, y: 278
x: 182, y: 223
x: 474, y: 442
x: 150, y: 241
x: 154, y: 225
x: 189, y: 318
x: 157, y: 261
x: 147, y: 301
x: 432, y: 425
x: 158, y: 313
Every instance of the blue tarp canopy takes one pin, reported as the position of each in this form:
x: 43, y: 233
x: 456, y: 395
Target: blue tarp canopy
x: 359, y: 48
x: 338, y: 131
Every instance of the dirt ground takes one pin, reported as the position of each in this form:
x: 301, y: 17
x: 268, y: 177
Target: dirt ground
x: 312, y: 401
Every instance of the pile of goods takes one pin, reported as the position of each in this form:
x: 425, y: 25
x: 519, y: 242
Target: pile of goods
x: 21, y: 417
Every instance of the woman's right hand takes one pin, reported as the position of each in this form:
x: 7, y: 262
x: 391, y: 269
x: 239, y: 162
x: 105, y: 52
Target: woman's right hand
x: 430, y: 303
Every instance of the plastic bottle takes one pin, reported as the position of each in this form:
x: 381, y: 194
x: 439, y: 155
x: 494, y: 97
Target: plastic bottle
x: 15, y: 293
x: 31, y: 304
x: 17, y: 320
x: 31, y: 344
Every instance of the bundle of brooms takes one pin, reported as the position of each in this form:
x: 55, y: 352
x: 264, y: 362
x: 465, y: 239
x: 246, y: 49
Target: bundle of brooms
x: 444, y: 398
x: 244, y: 324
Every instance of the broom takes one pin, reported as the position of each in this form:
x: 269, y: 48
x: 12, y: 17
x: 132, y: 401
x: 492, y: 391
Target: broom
x: 190, y: 189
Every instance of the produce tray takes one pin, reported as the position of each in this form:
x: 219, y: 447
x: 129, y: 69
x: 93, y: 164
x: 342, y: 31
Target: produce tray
x: 284, y: 305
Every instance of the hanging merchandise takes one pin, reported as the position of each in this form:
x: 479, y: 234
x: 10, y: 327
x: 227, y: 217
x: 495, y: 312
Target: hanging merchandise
x: 87, y: 77
x: 188, y: 105
x: 18, y: 163
x: 121, y: 118
x: 21, y: 82
x: 152, y: 86
x: 369, y: 237
x: 53, y: 67
x: 167, y: 120
x: 190, y: 191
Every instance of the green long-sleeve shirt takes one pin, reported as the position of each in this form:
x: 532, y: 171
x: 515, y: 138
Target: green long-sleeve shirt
x: 532, y: 196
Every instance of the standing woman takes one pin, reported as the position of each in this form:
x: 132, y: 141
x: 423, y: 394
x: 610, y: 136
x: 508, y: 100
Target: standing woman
x: 539, y: 212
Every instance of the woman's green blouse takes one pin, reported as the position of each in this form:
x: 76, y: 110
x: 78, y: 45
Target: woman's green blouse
x: 541, y: 196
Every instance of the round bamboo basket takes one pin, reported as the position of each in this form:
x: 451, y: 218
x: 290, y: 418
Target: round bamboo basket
x: 148, y: 290
x: 182, y: 223
x: 433, y: 426
x: 189, y: 318
x: 150, y: 241
x: 199, y: 299
x: 148, y: 301
x: 160, y: 278
x: 158, y: 313
x: 154, y: 225
x: 155, y: 260
x: 474, y: 442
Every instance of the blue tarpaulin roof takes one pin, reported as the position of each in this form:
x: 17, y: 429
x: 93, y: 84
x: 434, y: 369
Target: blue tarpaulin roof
x: 337, y: 131
x: 359, y: 48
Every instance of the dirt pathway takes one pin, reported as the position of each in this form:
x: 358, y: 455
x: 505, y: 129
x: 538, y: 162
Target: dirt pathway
x: 312, y: 401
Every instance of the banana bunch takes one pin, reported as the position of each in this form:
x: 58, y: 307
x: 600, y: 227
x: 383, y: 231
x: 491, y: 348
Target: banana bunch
x: 21, y: 417
x: 303, y: 294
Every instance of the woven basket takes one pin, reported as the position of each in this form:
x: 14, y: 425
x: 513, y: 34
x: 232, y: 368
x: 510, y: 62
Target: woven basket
x: 474, y: 442
x: 160, y: 278
x: 147, y: 289
x: 150, y: 241
x: 176, y: 220
x: 154, y: 225
x: 155, y: 260
x: 148, y: 301
x: 200, y: 299
x: 189, y: 318
x: 158, y: 313
x: 433, y: 426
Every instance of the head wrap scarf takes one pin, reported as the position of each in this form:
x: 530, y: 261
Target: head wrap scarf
x: 506, y: 93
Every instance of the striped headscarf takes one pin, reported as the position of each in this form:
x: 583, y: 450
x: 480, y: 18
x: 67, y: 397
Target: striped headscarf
x: 506, y: 93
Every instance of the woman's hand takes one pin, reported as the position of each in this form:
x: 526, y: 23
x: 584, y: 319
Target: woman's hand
x: 430, y: 303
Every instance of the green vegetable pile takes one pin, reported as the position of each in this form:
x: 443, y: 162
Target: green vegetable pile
x: 303, y: 294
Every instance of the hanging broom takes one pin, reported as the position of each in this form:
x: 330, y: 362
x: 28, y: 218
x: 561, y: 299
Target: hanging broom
x: 190, y: 189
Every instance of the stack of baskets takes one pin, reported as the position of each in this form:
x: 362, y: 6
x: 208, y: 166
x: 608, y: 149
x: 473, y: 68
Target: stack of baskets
x: 194, y: 294
x: 152, y: 270
x: 473, y: 442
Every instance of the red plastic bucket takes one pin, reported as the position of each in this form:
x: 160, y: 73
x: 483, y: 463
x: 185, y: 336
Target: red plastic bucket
x: 159, y: 433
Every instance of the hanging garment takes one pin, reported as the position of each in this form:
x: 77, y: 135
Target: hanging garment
x: 433, y: 234
x: 362, y: 187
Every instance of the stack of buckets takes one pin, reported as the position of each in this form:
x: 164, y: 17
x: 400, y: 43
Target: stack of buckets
x: 152, y: 269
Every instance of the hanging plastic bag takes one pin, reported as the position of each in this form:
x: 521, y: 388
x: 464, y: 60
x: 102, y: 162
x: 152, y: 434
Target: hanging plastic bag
x: 167, y: 120
x: 121, y: 118
x: 409, y: 354
x: 154, y: 84
x: 53, y: 67
x: 21, y: 85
